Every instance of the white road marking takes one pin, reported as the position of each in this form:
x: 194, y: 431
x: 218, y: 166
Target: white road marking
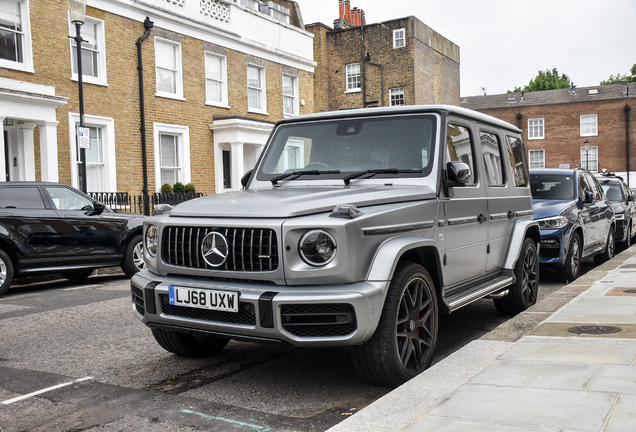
x: 81, y: 287
x: 26, y: 396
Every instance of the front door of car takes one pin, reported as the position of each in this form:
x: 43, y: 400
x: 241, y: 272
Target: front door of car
x: 27, y: 221
x: 87, y: 237
x: 603, y: 210
x: 465, y: 212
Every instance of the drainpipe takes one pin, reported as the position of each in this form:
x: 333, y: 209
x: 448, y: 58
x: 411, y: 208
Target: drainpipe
x: 142, y: 114
x: 519, y: 117
x: 363, y: 69
x: 627, y: 109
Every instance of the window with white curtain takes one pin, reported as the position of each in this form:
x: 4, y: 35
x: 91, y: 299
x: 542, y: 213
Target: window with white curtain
x: 168, y: 65
x: 535, y: 129
x: 290, y: 95
x: 15, y: 35
x: 353, y: 77
x: 399, y: 39
x: 93, y: 52
x: 536, y: 158
x: 216, y: 80
x: 255, y: 89
x: 589, y: 125
x: 172, y: 154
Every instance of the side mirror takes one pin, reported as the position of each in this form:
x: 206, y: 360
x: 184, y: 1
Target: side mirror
x: 161, y: 209
x: 458, y: 172
x: 98, y: 208
x: 630, y: 198
x: 246, y: 178
x: 588, y: 198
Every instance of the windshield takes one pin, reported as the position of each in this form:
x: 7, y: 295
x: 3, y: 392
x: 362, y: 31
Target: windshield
x: 613, y: 192
x: 552, y: 187
x: 396, y: 146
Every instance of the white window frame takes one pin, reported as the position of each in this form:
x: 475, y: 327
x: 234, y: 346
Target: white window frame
x: 107, y: 125
x: 223, y: 103
x: 262, y: 89
x: 399, y: 38
x: 27, y: 50
x: 536, y: 131
x: 350, y: 73
x: 293, y: 96
x: 183, y: 151
x: 397, y: 91
x: 178, y: 94
x: 592, y: 157
x: 536, y: 158
x: 100, y: 79
x: 586, y: 121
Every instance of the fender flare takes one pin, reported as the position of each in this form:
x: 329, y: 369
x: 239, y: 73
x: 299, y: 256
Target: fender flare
x: 521, y: 230
x: 387, y: 256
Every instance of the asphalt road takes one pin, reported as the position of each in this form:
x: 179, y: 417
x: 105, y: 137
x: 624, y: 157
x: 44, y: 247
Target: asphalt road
x: 57, y: 332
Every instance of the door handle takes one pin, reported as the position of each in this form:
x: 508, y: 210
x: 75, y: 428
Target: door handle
x: 481, y: 218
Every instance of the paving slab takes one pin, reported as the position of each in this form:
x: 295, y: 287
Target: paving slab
x: 571, y: 350
x: 444, y: 424
x: 615, y: 379
x: 623, y: 417
x: 586, y: 411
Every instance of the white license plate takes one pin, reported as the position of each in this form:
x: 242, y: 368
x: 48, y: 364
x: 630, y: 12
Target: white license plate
x: 226, y: 301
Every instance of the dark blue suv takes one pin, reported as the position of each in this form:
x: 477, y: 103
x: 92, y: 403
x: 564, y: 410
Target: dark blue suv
x: 576, y: 219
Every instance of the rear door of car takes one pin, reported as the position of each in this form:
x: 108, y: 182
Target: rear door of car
x: 87, y: 237
x: 29, y: 223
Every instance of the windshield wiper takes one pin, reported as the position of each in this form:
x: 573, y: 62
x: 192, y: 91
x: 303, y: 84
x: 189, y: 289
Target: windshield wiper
x: 275, y: 180
x: 373, y: 172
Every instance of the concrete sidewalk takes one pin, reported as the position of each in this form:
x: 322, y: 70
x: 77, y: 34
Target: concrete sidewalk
x: 549, y: 376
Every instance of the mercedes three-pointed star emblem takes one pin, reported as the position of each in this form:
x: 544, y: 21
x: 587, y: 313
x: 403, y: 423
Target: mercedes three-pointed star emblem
x: 214, y: 249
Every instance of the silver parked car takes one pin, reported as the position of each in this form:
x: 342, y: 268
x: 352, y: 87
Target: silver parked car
x: 356, y: 228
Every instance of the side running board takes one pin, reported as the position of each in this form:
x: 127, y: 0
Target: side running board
x: 477, y: 292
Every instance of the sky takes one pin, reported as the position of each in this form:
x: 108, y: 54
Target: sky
x: 505, y: 43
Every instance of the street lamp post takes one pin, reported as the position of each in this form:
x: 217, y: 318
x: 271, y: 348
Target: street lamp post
x: 77, y: 14
x: 587, y: 154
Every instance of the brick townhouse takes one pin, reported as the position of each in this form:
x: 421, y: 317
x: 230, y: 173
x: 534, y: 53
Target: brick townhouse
x: 217, y: 75
x: 396, y: 62
x: 557, y: 124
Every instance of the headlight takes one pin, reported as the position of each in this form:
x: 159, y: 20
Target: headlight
x: 317, y: 248
x: 620, y: 216
x: 553, y: 223
x: 151, y: 240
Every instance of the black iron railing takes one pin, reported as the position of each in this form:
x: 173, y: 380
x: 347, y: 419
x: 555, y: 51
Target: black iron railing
x: 123, y: 201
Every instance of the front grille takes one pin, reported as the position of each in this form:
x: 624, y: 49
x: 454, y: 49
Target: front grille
x: 138, y: 299
x: 249, y: 249
x: 548, y: 253
x: 318, y: 320
x: 245, y: 315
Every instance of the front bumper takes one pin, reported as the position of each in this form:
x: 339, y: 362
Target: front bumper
x: 323, y: 315
x: 554, y: 247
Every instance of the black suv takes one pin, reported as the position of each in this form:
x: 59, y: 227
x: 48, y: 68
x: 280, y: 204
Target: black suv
x: 624, y: 206
x: 53, y: 228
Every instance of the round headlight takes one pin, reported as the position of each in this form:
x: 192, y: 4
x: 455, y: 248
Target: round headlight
x: 151, y: 240
x: 317, y: 248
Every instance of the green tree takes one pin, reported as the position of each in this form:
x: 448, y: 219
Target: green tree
x: 619, y: 77
x: 546, y: 80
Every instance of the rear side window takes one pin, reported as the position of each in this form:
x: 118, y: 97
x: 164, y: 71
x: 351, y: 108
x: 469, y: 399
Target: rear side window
x: 491, y: 152
x: 21, y: 198
x: 459, y: 148
x: 516, y: 156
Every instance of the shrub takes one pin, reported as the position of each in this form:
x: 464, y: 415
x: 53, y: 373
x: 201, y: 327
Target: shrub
x: 189, y: 188
x: 166, y: 188
x: 178, y: 187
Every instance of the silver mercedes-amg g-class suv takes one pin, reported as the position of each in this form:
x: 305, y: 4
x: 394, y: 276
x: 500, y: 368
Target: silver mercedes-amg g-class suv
x: 356, y: 228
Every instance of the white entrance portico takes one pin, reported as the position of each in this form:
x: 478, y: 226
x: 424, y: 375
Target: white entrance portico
x: 238, y: 143
x: 23, y: 106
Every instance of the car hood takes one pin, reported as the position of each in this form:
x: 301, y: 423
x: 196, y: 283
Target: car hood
x: 619, y: 207
x: 297, y: 201
x: 549, y: 208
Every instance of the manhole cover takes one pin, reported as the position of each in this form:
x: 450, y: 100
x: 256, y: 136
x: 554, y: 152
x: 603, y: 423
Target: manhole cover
x: 630, y: 291
x: 594, y: 330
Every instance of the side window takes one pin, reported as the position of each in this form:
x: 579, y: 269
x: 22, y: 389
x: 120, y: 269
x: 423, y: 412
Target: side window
x: 584, y: 186
x: 516, y: 155
x: 66, y: 199
x: 491, y: 152
x: 459, y: 148
x: 596, y: 187
x: 21, y: 198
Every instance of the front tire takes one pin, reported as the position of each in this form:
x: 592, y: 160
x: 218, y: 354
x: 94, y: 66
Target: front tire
x: 608, y: 253
x: 6, y: 272
x: 572, y: 267
x: 189, y: 345
x: 133, y: 257
x: 628, y: 241
x: 523, y: 293
x: 403, y: 343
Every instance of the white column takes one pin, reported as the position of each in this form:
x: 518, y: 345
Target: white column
x: 48, y: 152
x: 3, y: 162
x: 26, y: 151
x: 218, y: 167
x: 238, y: 165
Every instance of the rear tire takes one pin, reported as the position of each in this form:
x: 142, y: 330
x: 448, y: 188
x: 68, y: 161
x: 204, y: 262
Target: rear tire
x: 572, y: 268
x: 134, y: 256
x: 78, y: 275
x: 628, y: 241
x: 403, y: 343
x: 523, y: 293
x: 189, y: 345
x: 608, y: 253
x: 6, y: 272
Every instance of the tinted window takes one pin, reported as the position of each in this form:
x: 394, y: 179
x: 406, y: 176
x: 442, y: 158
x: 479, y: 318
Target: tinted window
x: 552, y: 187
x: 492, y: 158
x: 613, y: 191
x: 516, y: 155
x: 66, y: 199
x: 459, y: 148
x: 21, y: 198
